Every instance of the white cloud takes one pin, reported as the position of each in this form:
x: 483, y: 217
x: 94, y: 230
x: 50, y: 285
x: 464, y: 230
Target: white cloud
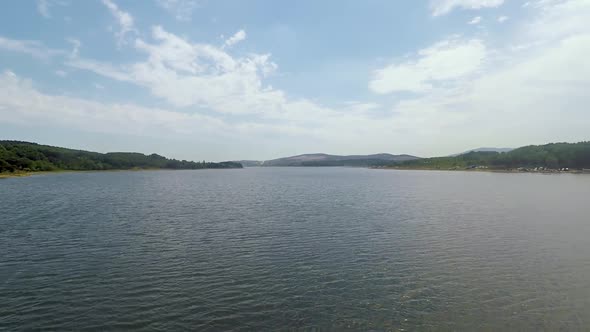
x: 443, y: 62
x: 187, y: 74
x: 31, y: 47
x: 181, y: 9
x: 502, y: 19
x: 124, y: 19
x: 61, y: 73
x: 442, y: 7
x: 236, y: 38
x: 475, y: 20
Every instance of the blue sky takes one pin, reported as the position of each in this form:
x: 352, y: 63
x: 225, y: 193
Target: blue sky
x: 218, y: 80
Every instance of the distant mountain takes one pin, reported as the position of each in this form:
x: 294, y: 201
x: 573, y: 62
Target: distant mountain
x: 499, y: 150
x: 322, y: 159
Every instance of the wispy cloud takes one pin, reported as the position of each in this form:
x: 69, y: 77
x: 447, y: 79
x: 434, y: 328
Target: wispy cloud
x: 44, y: 6
x: 236, y: 38
x: 28, y: 105
x: 442, y: 7
x: 124, y: 19
x: 181, y: 9
x: 502, y: 19
x: 475, y: 20
x: 31, y: 47
x: 103, y: 69
x: 573, y: 17
x: 75, y: 46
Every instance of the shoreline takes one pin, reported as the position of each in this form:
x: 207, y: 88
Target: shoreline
x: 514, y: 171
x: 15, y: 175
x: 22, y: 174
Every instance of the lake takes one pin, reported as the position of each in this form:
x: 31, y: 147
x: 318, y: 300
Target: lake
x: 295, y: 248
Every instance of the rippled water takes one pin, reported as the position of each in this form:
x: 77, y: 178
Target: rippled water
x: 295, y: 248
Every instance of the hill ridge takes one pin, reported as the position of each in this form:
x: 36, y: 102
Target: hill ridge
x: 325, y: 159
x: 31, y: 157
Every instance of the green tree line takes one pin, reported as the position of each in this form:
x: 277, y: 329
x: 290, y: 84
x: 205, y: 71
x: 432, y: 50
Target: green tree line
x: 554, y: 156
x: 25, y: 156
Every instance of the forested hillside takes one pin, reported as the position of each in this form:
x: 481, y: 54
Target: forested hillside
x: 24, y: 156
x: 552, y: 156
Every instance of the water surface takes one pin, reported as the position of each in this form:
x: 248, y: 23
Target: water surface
x: 295, y: 248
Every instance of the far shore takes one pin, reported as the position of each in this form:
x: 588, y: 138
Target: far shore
x: 483, y: 170
x: 19, y: 174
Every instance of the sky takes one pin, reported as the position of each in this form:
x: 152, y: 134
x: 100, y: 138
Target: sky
x: 261, y: 79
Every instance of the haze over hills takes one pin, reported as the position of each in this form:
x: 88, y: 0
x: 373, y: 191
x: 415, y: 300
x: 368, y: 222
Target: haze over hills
x: 250, y: 163
x: 322, y: 159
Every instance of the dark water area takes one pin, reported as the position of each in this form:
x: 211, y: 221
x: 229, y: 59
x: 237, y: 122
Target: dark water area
x: 295, y: 249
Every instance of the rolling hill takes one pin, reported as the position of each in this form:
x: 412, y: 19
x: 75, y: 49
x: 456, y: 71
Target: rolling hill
x: 499, y: 150
x: 322, y: 159
x: 31, y: 157
x: 551, y: 156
